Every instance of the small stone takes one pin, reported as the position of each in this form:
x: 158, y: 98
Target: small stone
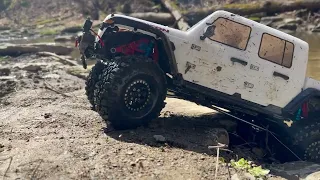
x: 289, y: 26
x: 130, y: 153
x: 5, y: 71
x: 159, y: 138
x: 293, y: 21
x: 133, y: 164
x: 64, y: 38
x: 248, y: 176
x: 51, y: 76
x: 92, y: 154
x: 61, y: 137
x: 32, y: 68
x: 47, y: 115
x: 270, y: 20
x: 235, y: 177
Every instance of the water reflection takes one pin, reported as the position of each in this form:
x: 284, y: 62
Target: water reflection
x: 314, y: 53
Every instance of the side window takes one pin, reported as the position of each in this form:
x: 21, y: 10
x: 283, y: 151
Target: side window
x: 231, y: 33
x: 276, y: 50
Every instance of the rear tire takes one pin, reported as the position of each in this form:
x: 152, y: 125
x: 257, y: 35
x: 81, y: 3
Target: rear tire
x: 131, y: 92
x: 306, y: 139
x: 92, y: 79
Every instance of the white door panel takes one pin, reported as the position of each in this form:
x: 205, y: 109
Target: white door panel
x: 213, y: 68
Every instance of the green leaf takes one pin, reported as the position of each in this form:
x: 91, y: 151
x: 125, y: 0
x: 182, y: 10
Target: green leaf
x: 258, y: 171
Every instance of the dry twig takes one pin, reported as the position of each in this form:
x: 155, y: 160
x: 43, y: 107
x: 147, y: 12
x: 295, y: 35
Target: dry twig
x: 218, y: 147
x: 61, y: 59
x: 6, y: 171
x: 51, y: 89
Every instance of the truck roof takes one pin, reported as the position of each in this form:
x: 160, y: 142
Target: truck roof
x: 262, y: 27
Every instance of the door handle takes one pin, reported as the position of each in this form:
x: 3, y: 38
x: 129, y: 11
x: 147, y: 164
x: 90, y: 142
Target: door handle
x: 233, y: 59
x: 285, y: 77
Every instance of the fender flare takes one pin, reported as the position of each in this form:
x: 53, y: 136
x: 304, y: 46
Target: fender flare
x: 290, y: 109
x: 168, y: 46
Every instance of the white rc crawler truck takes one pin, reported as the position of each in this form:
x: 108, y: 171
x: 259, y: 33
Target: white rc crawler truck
x: 224, y: 60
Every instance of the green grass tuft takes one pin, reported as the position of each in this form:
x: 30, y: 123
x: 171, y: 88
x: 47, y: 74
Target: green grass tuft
x: 48, y: 32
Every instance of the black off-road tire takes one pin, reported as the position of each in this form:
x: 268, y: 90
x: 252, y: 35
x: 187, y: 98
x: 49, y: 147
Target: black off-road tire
x: 306, y: 139
x: 91, y: 81
x: 131, y: 92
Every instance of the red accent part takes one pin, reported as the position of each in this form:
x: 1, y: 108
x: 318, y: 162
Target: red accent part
x: 76, y: 43
x: 134, y: 47
x: 100, y: 40
x: 305, y: 110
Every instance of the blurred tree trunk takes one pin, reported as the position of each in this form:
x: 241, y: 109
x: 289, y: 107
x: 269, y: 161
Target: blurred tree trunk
x: 269, y: 7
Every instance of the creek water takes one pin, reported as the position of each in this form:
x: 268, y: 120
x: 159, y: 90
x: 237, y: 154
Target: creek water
x: 314, y: 53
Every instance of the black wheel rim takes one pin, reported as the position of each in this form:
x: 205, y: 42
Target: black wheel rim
x: 312, y: 152
x: 137, y: 95
x: 140, y: 96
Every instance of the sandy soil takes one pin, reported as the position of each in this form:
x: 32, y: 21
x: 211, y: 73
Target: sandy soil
x: 54, y: 134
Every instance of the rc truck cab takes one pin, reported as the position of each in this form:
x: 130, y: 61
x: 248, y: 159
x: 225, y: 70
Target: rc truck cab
x: 224, y: 60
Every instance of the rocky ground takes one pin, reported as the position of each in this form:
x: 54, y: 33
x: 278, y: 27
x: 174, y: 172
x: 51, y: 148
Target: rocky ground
x: 48, y: 131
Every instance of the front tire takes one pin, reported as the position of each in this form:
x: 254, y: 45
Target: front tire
x: 131, y: 92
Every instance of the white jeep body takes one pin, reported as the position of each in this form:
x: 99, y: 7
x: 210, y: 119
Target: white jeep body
x: 248, y: 43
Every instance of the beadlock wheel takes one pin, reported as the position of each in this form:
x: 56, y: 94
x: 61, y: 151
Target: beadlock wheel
x: 312, y: 152
x: 131, y: 92
x: 306, y: 140
x: 137, y: 95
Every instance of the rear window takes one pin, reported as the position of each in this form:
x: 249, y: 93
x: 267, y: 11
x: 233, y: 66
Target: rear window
x: 276, y: 50
x: 231, y: 33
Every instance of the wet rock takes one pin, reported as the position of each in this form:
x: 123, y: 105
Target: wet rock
x: 289, y: 26
x: 19, y: 49
x: 215, y: 136
x: 64, y: 38
x: 159, y: 138
x: 5, y: 71
x: 316, y: 28
x: 245, y: 176
x: 270, y: 20
x: 32, y: 67
x: 126, y: 8
x: 293, y: 21
x: 7, y: 78
x: 74, y: 29
x: 297, y: 170
x: 302, y: 13
x: 310, y: 27
x: 4, y: 28
x: 7, y: 84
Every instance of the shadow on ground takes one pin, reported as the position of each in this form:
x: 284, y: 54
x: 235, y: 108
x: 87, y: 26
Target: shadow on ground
x: 189, y: 133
